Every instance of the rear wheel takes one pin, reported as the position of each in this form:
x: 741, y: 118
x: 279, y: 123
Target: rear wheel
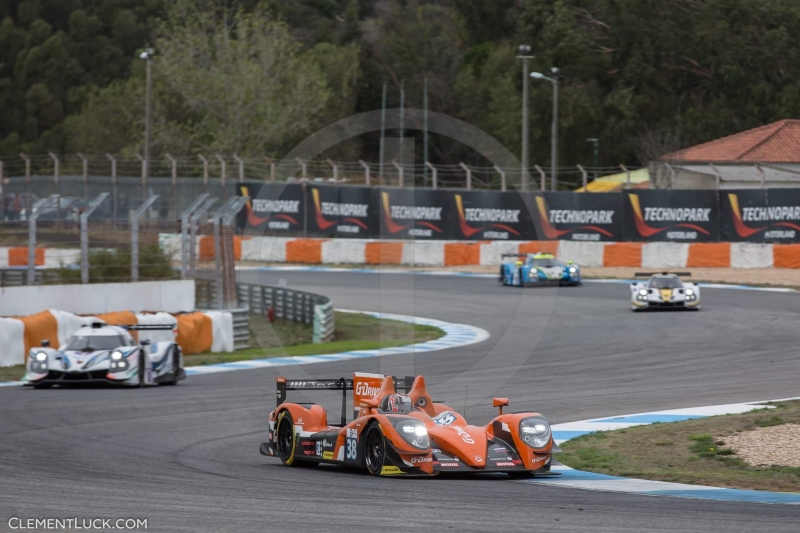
x: 287, y: 440
x: 141, y: 368
x: 374, y: 449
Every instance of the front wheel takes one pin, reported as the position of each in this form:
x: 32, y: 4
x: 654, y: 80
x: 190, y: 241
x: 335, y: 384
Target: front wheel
x: 374, y: 450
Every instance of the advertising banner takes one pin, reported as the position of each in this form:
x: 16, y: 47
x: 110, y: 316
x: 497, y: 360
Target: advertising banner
x: 490, y: 215
x: 742, y: 215
x: 413, y: 213
x: 671, y: 215
x: 341, y: 211
x: 578, y: 216
x: 783, y: 212
x: 273, y: 207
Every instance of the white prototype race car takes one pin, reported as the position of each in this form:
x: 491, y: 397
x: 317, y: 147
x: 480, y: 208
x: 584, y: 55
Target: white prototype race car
x: 664, y: 291
x: 102, y: 353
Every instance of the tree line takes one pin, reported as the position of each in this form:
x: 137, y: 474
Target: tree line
x: 255, y: 77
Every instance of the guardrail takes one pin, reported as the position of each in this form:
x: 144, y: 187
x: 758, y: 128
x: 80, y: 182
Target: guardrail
x: 286, y: 304
x: 16, y: 277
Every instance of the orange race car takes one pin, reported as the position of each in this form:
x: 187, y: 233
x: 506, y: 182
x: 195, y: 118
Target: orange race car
x: 404, y: 433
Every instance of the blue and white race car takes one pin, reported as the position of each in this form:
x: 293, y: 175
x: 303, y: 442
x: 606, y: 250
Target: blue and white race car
x: 538, y: 269
x: 102, y: 353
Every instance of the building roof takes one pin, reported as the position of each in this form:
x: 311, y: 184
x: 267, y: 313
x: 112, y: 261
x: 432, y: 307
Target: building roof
x: 778, y: 142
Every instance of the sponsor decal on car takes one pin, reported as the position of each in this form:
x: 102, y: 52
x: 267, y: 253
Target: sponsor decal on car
x: 463, y: 434
x: 327, y: 455
x: 444, y: 419
x: 504, y: 463
x: 390, y: 471
x: 417, y: 460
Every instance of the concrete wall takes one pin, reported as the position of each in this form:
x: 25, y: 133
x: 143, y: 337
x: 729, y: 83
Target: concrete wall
x: 168, y: 296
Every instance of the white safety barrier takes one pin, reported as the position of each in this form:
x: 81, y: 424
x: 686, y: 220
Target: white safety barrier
x: 12, y: 341
x: 222, y: 330
x: 170, y: 296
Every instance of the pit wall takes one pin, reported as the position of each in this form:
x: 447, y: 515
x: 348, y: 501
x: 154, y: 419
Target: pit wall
x: 460, y: 253
x: 197, y: 332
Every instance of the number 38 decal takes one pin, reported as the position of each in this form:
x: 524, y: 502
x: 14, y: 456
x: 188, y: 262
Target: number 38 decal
x: 351, y: 445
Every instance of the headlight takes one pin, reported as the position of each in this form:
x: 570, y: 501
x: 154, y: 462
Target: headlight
x: 116, y: 356
x: 414, y: 433
x: 535, y: 432
x: 643, y: 292
x: 572, y: 270
x: 41, y: 356
x: 689, y: 292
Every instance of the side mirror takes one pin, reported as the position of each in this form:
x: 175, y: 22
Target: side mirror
x: 570, y: 262
x: 145, y: 342
x: 45, y: 343
x: 500, y: 403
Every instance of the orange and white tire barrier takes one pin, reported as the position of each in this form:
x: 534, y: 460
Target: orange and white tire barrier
x: 461, y: 253
x: 198, y: 332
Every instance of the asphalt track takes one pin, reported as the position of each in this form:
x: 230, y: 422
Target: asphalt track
x: 186, y: 458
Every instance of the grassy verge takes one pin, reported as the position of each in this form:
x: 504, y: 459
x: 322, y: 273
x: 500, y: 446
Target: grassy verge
x: 353, y: 332
x: 686, y: 452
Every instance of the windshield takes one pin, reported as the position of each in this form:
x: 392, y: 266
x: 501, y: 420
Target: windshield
x: 98, y: 342
x: 666, y: 283
x: 547, y: 263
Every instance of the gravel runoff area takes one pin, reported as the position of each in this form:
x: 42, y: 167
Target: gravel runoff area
x: 768, y: 446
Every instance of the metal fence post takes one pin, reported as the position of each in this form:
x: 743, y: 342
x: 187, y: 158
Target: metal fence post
x: 195, y: 218
x: 271, y: 169
x: 671, y: 175
x: 229, y: 292
x: 763, y: 176
x: 469, y: 175
x: 185, y: 216
x: 502, y: 177
x: 366, y: 171
x: 205, y: 172
x: 2, y: 195
x: 135, y: 235
x: 434, y: 178
x: 56, y: 176
x: 174, y: 164
x: 85, y: 235
x: 113, y: 186
x: 627, y: 176
x: 223, y: 177
x: 542, y: 177
x: 302, y: 167
x: 28, y: 203
x: 241, y: 167
x: 399, y: 171
x: 584, y: 177
x: 144, y: 176
x: 85, y: 177
x: 335, y: 170
x: 32, y: 216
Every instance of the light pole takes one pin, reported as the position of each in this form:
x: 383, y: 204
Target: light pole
x: 524, y: 51
x: 554, y: 141
x: 147, y: 55
x: 596, y: 142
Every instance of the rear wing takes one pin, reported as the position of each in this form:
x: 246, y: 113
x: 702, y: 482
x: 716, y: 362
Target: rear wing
x: 331, y: 384
x: 134, y: 327
x: 648, y: 274
x: 513, y: 255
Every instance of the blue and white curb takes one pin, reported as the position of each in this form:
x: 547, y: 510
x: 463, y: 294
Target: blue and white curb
x: 455, y: 335
x: 591, y: 481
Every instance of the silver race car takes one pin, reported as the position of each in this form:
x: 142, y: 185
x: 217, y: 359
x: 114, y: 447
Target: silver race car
x: 102, y: 353
x: 664, y: 291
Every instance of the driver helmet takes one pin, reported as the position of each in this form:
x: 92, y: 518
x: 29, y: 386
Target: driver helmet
x: 398, y: 403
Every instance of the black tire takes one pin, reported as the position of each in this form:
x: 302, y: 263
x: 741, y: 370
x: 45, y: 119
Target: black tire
x: 176, y: 361
x: 374, y: 449
x: 286, y: 439
x: 141, y: 368
x: 502, y: 277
